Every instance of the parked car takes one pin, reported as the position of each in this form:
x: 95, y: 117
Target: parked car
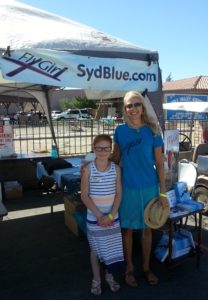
x: 73, y: 114
x: 54, y: 113
x: 85, y: 113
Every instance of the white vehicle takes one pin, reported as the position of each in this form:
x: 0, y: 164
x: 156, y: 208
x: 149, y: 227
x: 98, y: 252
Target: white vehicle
x: 85, y: 114
x: 73, y: 114
x: 54, y: 113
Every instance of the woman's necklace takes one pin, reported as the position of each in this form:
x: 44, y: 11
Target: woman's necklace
x: 138, y: 128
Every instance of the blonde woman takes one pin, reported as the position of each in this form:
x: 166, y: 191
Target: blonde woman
x: 138, y: 147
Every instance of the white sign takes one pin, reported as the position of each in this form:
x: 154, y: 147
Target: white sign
x: 6, y: 141
x: 58, y: 68
x: 186, y: 107
x: 171, y: 140
x: 171, y: 154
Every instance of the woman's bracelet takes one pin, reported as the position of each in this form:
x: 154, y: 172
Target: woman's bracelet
x: 110, y: 216
x: 163, y: 195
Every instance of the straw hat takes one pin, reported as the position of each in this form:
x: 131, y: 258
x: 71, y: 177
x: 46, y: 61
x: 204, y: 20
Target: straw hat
x: 155, y: 215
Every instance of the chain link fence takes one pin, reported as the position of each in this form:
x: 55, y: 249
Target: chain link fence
x: 195, y: 130
x: 75, y: 137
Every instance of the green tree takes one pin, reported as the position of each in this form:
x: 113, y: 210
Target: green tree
x: 64, y: 103
x: 77, y: 102
x: 83, y: 102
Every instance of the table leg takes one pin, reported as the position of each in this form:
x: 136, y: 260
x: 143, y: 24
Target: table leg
x: 52, y: 202
x: 198, y: 251
x: 170, y: 243
x: 1, y: 196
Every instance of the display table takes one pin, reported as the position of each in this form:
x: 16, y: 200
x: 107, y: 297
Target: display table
x: 177, y: 221
x: 63, y: 177
x: 18, y: 167
x: 71, y: 182
x: 177, y: 243
x: 58, y: 174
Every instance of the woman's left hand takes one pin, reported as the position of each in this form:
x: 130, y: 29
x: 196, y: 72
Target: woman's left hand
x: 164, y: 202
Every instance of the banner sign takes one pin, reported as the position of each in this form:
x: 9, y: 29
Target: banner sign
x: 184, y: 115
x: 61, y: 68
x: 6, y: 141
x: 171, y: 156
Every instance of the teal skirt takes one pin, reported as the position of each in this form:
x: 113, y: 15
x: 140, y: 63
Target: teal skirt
x: 132, y: 206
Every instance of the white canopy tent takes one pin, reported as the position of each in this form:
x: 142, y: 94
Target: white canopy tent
x: 187, y: 106
x: 40, y: 51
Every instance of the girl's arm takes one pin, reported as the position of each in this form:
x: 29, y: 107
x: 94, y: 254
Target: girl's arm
x: 116, y: 155
x: 85, y: 192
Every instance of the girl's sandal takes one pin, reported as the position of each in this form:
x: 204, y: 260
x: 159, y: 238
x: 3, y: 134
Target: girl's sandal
x: 113, y: 285
x: 96, y: 288
x: 130, y: 279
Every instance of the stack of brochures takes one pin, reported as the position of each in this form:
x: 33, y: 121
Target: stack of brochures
x: 182, y: 244
x: 182, y: 208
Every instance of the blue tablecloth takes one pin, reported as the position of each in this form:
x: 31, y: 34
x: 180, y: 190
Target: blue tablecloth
x: 57, y: 174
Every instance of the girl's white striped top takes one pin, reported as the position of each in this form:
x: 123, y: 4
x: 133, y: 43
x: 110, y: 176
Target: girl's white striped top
x: 102, y: 189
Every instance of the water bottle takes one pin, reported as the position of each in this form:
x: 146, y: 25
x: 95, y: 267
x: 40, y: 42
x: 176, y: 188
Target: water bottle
x: 54, y: 153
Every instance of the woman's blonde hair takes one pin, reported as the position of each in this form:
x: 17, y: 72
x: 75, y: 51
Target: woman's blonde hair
x: 146, y: 119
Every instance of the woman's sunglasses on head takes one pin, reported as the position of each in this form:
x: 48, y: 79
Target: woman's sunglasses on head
x: 135, y: 105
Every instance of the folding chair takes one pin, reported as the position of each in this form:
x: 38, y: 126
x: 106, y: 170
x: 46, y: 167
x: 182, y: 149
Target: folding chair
x: 187, y: 172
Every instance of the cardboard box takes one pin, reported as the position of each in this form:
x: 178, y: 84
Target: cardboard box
x: 72, y: 225
x: 13, y: 189
x: 73, y: 203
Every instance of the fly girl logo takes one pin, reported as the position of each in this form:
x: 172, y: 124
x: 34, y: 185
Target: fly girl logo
x: 28, y: 61
x: 132, y: 144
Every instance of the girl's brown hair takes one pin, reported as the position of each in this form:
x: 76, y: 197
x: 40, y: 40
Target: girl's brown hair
x: 102, y: 137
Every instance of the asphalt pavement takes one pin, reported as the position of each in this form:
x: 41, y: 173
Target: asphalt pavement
x: 41, y: 259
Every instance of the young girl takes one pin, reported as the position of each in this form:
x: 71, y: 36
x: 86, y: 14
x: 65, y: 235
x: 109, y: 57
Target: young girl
x: 101, y: 193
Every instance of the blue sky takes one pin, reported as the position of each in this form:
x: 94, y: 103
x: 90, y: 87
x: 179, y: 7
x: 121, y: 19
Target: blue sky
x: 177, y: 29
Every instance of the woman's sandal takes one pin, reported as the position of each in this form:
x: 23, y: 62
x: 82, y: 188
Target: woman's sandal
x: 113, y: 285
x: 96, y: 288
x: 151, y: 278
x: 130, y: 279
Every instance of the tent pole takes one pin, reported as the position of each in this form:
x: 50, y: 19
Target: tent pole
x: 98, y: 114
x: 48, y: 114
x: 192, y: 123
